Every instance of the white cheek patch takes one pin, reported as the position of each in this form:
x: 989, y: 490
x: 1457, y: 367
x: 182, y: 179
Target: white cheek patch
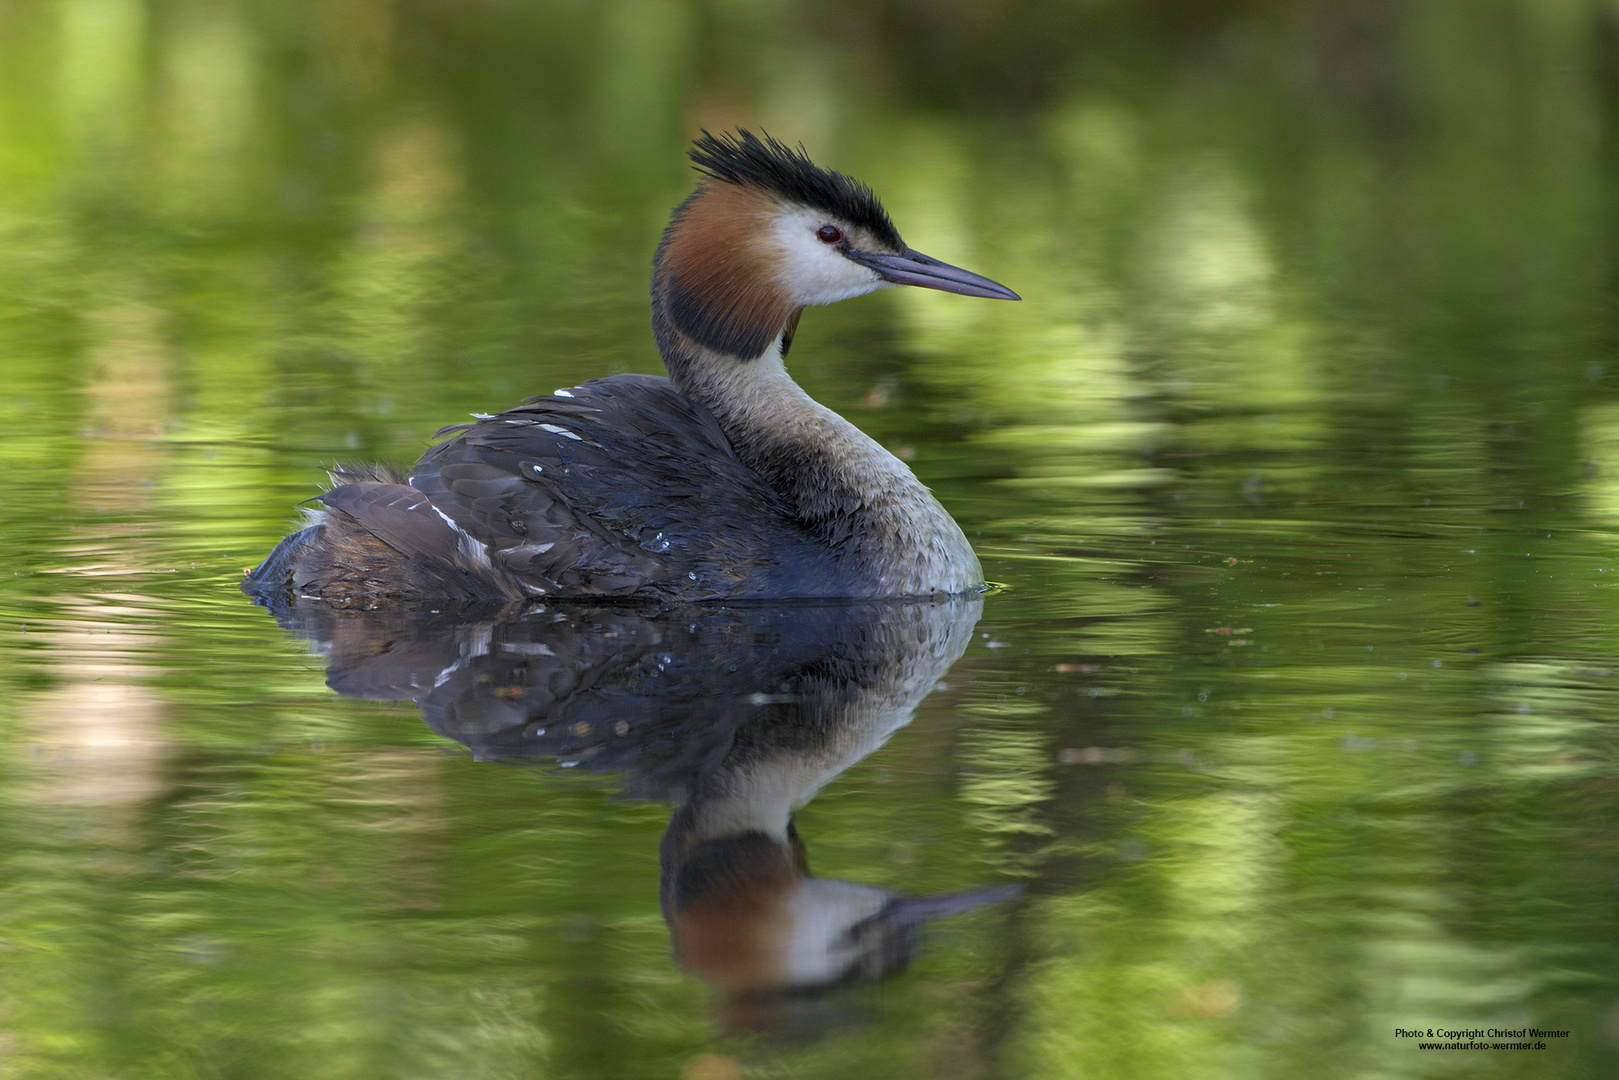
x: 815, y: 272
x: 823, y: 910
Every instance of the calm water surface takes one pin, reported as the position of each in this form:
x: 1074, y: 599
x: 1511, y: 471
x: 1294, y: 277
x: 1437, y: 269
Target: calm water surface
x: 1293, y: 724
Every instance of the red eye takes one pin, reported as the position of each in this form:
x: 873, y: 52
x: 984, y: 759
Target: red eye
x: 829, y: 234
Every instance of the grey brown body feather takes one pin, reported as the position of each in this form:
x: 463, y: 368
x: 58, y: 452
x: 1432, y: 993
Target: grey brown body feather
x: 624, y: 489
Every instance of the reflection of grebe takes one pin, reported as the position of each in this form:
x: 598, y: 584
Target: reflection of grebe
x: 739, y: 714
x: 745, y: 911
x: 724, y: 480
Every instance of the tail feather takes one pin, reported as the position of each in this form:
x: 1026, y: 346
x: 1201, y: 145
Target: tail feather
x: 272, y: 578
x: 376, y: 536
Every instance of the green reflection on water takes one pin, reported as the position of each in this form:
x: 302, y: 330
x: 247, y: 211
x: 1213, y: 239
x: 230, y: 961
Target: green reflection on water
x: 1299, y: 459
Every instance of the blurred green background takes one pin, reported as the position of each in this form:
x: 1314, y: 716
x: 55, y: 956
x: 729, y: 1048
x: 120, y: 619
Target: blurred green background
x: 1300, y: 459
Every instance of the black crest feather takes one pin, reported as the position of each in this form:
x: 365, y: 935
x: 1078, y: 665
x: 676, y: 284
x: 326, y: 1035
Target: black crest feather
x: 744, y: 158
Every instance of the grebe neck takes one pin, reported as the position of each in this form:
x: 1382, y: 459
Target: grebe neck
x: 861, y: 499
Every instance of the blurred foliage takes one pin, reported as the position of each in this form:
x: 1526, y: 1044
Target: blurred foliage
x: 1301, y: 458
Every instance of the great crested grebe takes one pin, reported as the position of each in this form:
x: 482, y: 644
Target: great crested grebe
x: 724, y: 480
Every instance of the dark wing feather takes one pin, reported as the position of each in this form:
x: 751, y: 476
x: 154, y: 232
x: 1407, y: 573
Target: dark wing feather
x: 434, y: 551
x: 623, y: 487
x: 399, y: 516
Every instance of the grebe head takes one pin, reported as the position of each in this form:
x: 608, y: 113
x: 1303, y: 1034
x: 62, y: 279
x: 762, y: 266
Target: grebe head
x: 748, y: 916
x: 769, y: 232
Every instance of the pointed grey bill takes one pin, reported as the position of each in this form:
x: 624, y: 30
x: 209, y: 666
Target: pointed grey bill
x: 915, y: 268
x: 915, y: 910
